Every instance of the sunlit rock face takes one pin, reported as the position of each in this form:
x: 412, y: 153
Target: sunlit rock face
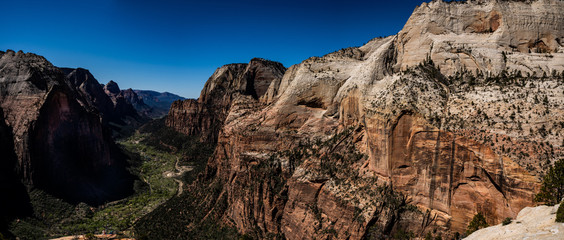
x: 205, y: 116
x: 455, y: 145
x: 486, y: 36
x: 60, y: 141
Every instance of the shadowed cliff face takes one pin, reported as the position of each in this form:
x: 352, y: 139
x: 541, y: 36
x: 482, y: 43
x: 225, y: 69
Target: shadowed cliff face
x: 73, y: 155
x: 14, y: 201
x: 453, y: 175
x: 117, y: 108
x: 60, y: 141
x: 454, y: 142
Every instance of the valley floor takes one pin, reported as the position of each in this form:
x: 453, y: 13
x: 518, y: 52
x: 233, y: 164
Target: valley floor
x: 160, y: 174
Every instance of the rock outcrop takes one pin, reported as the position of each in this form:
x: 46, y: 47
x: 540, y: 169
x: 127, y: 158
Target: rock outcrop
x: 530, y: 223
x: 115, y: 106
x: 205, y: 116
x: 485, y: 36
x: 60, y: 141
x: 443, y: 112
x: 123, y: 102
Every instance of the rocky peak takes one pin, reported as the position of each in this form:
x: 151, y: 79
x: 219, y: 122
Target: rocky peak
x: 112, y: 88
x: 261, y: 74
x: 131, y: 97
x: 80, y: 76
x: 206, y: 115
x: 484, y: 36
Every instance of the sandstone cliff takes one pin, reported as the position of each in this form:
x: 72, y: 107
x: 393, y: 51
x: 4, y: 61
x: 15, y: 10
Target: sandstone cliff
x: 124, y: 103
x: 59, y: 139
x: 15, y: 201
x: 486, y: 36
x: 205, y: 116
x: 118, y: 108
x: 459, y: 112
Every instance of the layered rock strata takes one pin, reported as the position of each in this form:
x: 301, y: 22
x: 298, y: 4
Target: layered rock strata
x: 455, y: 112
x: 60, y: 141
x: 205, y: 116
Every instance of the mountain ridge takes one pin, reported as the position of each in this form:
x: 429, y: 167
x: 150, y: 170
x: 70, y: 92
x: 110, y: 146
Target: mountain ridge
x: 444, y: 111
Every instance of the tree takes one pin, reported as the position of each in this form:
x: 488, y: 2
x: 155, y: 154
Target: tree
x: 552, y: 189
x: 560, y: 213
x: 478, y: 222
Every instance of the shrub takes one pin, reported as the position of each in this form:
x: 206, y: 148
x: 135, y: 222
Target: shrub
x: 89, y: 236
x: 506, y: 221
x: 552, y: 189
x: 478, y: 222
x: 560, y: 213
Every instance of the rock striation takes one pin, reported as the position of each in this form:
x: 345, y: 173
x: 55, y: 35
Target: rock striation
x: 488, y: 36
x: 206, y: 115
x: 58, y: 136
x: 116, y: 107
x: 459, y: 113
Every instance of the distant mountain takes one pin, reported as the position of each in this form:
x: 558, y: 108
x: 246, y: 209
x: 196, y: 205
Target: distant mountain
x: 157, y: 101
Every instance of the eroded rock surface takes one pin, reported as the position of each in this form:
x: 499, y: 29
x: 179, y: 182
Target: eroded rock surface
x: 205, y: 116
x: 531, y: 223
x: 60, y: 141
x: 444, y: 112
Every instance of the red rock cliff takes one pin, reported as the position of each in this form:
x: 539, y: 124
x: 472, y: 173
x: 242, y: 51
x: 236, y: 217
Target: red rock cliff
x: 205, y: 116
x: 311, y: 158
x: 59, y: 139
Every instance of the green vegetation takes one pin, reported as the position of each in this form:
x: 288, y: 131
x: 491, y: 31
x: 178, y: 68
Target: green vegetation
x: 552, y: 189
x: 478, y: 222
x: 403, y: 235
x: 192, y: 215
x: 506, y: 221
x: 560, y: 213
x: 152, y: 151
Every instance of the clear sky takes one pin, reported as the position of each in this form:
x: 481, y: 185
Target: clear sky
x: 174, y: 46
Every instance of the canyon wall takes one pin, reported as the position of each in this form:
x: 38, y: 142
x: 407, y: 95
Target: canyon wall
x: 61, y: 143
x: 205, y: 116
x: 442, y: 113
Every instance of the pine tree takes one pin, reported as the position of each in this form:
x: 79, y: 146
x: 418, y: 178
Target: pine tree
x: 478, y: 222
x: 552, y: 189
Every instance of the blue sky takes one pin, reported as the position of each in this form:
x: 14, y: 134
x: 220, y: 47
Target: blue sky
x: 174, y: 46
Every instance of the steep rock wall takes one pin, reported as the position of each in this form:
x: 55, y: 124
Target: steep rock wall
x: 59, y: 139
x: 454, y: 144
x: 205, y: 116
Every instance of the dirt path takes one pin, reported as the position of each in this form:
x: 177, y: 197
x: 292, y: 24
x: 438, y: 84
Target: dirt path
x: 180, y: 187
x: 179, y: 171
